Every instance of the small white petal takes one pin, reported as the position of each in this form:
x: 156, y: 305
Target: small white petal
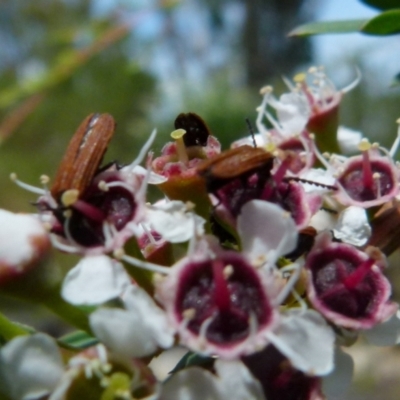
x: 95, y: 280
x: 236, y: 382
x: 386, y: 333
x: 173, y: 222
x: 293, y: 112
x: 154, y: 178
x: 31, y: 366
x: 306, y: 340
x: 191, y: 384
x: 352, y: 226
x: 348, y: 140
x: 336, y: 384
x: 136, y: 331
x: 266, y: 230
x: 137, y: 301
x: 122, y: 332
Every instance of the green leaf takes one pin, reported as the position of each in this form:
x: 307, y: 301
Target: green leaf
x: 386, y: 23
x: 323, y: 27
x: 191, y: 359
x: 382, y: 4
x: 77, y: 340
x: 10, y: 329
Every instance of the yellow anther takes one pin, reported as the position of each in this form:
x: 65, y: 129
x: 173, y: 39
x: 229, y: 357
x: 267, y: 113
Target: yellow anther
x: 44, y: 179
x: 119, y: 253
x: 189, y: 314
x: 69, y: 197
x: 364, y: 145
x: 299, y: 78
x: 228, y: 271
x: 178, y: 134
x: 266, y: 90
x: 270, y: 147
x: 103, y: 186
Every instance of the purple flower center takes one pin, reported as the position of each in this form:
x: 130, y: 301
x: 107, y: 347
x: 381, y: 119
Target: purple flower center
x: 366, y: 179
x: 345, y: 283
x: 222, y: 296
x: 116, y: 206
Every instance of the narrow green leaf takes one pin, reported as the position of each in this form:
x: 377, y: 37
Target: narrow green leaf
x: 386, y: 23
x: 192, y: 359
x: 10, y: 329
x: 382, y: 4
x: 77, y: 340
x: 324, y: 27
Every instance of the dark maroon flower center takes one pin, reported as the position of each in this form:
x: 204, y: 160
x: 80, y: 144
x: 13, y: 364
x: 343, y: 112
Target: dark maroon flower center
x: 222, y: 296
x: 116, y: 206
x: 279, y: 380
x: 289, y: 195
x: 345, y: 283
x: 367, y: 181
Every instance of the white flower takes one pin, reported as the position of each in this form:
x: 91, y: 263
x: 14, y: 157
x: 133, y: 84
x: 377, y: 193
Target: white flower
x: 30, y: 367
x: 213, y: 285
x: 135, y: 331
x: 95, y: 280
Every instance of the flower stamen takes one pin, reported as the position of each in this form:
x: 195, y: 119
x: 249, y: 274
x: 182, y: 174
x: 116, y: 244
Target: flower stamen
x: 177, y: 135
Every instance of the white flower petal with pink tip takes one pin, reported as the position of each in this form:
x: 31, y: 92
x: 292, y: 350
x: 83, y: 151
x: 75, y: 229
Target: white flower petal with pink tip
x: 266, y: 231
x: 30, y: 367
x: 306, y: 340
x: 95, y: 280
x: 136, y: 331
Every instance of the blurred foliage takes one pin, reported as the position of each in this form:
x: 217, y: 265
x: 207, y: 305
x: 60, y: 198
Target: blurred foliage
x: 64, y: 66
x: 382, y: 4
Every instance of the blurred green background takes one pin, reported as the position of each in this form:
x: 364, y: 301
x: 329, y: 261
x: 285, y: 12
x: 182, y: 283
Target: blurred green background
x: 146, y: 61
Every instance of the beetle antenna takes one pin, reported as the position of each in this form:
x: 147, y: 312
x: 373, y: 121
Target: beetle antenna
x: 251, y: 130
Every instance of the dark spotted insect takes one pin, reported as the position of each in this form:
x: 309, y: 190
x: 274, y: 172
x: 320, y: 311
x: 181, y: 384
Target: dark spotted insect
x: 197, y: 131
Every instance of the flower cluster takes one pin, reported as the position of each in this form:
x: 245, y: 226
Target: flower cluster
x: 264, y: 260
